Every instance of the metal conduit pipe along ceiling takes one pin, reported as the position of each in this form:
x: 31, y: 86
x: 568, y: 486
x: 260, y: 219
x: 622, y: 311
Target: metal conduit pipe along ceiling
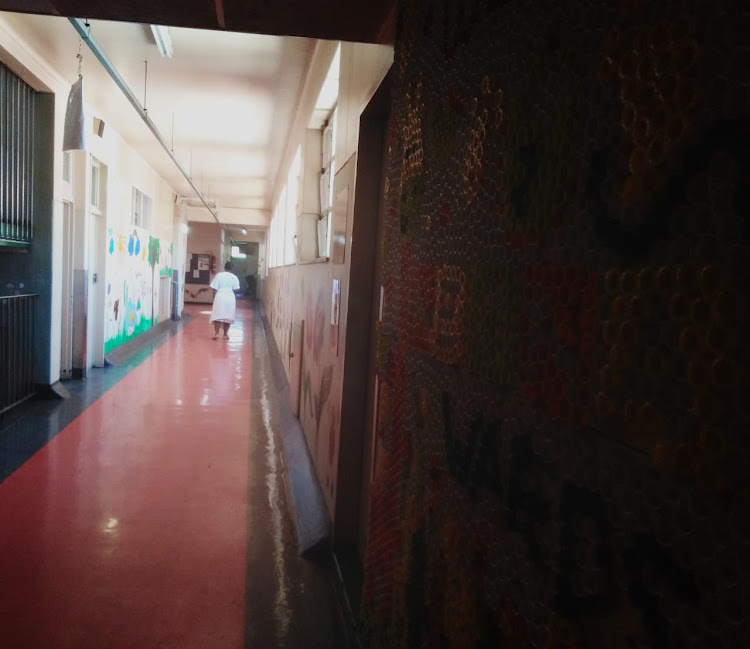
x: 83, y: 30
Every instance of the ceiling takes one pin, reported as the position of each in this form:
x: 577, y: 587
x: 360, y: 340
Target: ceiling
x: 224, y: 101
x: 343, y: 20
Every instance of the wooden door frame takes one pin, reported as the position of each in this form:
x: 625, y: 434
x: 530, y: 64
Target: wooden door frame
x: 66, y: 311
x: 358, y: 385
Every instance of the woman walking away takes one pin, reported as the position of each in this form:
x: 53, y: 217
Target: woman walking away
x: 225, y: 304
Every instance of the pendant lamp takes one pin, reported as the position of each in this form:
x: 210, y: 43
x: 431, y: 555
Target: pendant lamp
x: 74, y: 137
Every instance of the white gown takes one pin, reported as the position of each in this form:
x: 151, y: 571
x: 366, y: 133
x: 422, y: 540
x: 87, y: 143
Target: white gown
x: 225, y: 304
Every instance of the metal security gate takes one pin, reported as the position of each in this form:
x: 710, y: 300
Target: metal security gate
x: 16, y: 157
x: 16, y: 349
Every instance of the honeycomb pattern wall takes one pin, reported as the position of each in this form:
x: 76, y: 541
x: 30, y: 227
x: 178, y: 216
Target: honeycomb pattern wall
x: 563, y: 439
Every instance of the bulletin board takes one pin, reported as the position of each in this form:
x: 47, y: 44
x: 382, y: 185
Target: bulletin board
x: 199, y: 270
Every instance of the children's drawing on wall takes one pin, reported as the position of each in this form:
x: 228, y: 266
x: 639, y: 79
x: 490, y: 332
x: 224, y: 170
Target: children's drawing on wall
x: 132, y: 260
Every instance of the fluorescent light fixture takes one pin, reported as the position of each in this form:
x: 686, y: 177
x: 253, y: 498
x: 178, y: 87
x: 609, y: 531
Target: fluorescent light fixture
x: 163, y: 40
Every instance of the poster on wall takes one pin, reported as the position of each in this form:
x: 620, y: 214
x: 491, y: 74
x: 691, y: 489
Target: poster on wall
x: 335, y: 302
x: 203, y: 261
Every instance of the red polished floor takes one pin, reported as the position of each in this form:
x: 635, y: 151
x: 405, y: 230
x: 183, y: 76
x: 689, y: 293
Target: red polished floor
x: 130, y: 528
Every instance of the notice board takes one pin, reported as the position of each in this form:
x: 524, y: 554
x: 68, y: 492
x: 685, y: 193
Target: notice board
x: 199, y: 271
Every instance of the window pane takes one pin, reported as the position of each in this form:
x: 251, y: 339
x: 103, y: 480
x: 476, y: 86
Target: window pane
x: 269, y: 239
x: 290, y: 231
x: 141, y: 214
x: 325, y: 190
x: 94, y: 184
x: 136, y: 215
x: 334, y: 119
x: 272, y: 244
x: 328, y: 143
x: 146, y: 217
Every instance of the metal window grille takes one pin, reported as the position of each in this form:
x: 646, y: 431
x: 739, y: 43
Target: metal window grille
x: 16, y: 157
x: 16, y: 349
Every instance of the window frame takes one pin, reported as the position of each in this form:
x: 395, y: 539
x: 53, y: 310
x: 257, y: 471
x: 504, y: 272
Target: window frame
x: 327, y: 176
x: 144, y: 217
x: 95, y: 190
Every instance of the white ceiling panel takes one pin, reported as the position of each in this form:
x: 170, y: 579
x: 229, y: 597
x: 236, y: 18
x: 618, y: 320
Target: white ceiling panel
x: 224, y: 101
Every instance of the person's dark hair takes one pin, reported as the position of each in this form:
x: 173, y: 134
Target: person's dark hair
x: 228, y: 266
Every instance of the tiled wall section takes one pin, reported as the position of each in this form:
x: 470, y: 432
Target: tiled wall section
x: 562, y: 450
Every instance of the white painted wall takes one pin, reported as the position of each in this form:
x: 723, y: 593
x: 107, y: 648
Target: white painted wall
x: 42, y: 77
x: 363, y: 67
x: 244, y: 216
x: 125, y: 169
x: 205, y: 238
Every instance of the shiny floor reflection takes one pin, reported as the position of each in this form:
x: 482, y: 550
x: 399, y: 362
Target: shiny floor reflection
x: 158, y: 517
x: 25, y: 429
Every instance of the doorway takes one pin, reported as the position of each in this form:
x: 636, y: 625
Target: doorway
x: 245, y: 263
x: 97, y: 250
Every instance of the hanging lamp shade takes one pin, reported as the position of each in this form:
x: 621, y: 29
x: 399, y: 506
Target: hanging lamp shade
x: 74, y: 132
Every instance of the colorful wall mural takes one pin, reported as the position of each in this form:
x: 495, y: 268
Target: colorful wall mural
x: 562, y: 447
x: 135, y: 261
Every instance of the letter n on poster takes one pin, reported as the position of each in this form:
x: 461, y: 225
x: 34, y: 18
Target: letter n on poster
x: 335, y: 303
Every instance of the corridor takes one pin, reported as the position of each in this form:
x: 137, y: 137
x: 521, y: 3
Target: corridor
x: 159, y: 517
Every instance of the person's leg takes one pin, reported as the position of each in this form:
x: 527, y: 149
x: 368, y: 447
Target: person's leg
x: 217, y: 326
x: 226, y: 329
